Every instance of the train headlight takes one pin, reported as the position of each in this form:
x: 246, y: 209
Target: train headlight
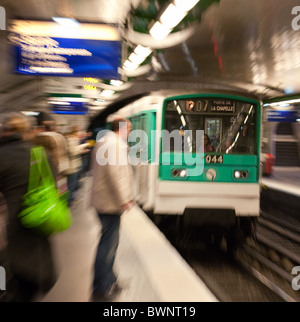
x: 237, y: 174
x: 179, y: 173
x: 240, y: 174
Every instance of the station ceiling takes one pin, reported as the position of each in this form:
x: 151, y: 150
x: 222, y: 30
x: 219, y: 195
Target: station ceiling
x: 244, y: 45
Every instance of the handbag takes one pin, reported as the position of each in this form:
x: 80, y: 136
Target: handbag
x: 45, y: 210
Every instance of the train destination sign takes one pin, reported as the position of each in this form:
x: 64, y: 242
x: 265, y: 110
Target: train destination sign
x: 221, y: 106
x: 47, y: 48
x: 203, y: 106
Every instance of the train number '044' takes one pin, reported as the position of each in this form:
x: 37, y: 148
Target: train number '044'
x: 213, y: 158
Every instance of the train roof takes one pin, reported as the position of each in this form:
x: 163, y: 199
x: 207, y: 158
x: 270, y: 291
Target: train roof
x: 182, y: 92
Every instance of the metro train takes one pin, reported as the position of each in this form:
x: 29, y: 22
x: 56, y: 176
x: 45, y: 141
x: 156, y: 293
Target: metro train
x: 217, y: 188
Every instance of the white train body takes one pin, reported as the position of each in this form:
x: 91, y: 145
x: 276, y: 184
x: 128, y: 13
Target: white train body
x: 176, y: 196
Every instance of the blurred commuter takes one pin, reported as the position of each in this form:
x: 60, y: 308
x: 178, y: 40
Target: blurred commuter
x: 56, y: 147
x: 216, y: 141
x: 28, y: 254
x: 86, y: 155
x: 207, y: 144
x: 3, y: 219
x: 75, y: 150
x: 112, y: 194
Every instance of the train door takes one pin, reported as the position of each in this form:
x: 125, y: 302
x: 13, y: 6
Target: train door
x: 144, y: 170
x: 144, y: 157
x: 140, y: 123
x: 135, y: 126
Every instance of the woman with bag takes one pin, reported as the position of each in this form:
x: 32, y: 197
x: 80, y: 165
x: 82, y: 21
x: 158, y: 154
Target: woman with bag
x: 75, y: 150
x: 29, y: 254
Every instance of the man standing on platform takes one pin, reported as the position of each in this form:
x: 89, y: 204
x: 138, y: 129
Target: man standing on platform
x: 112, y: 194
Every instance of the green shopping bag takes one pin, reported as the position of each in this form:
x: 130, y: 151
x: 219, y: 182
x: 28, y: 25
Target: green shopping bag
x: 44, y: 210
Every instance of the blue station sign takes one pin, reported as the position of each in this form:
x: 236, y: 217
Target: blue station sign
x: 47, y: 48
x: 69, y: 107
x: 282, y: 116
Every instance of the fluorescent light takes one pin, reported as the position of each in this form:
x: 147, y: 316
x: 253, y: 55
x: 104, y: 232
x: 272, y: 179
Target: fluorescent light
x: 185, y: 5
x: 134, y: 58
x: 66, y: 22
x: 59, y: 103
x: 96, y: 107
x: 137, y: 57
x: 172, y: 16
x: 51, y: 70
x: 159, y: 31
x: 115, y: 82
x: 68, y: 99
x: 128, y: 65
x: 142, y: 51
x: 107, y: 93
x: 30, y: 113
x: 292, y: 101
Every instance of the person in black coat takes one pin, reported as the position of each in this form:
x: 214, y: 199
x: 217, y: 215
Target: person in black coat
x: 28, y: 254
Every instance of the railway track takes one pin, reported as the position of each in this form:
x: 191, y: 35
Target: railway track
x: 259, y: 271
x: 228, y: 280
x: 272, y: 256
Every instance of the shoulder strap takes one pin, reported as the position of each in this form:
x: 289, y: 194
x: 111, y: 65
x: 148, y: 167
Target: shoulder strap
x: 40, y: 171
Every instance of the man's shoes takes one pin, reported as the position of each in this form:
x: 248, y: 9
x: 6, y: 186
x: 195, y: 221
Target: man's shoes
x: 109, y: 296
x: 102, y: 297
x: 115, y: 289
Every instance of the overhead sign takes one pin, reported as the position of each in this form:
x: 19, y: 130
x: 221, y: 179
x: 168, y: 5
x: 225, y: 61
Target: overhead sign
x: 74, y: 108
x: 84, y: 50
x: 282, y: 116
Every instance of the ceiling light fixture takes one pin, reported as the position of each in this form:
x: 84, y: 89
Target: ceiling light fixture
x: 115, y: 82
x: 171, y: 17
x: 292, y: 101
x: 66, y: 22
x: 159, y: 31
x: 137, y: 57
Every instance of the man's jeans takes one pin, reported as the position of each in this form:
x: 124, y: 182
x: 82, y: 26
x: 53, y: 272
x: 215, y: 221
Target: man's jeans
x: 73, y: 185
x: 104, y: 276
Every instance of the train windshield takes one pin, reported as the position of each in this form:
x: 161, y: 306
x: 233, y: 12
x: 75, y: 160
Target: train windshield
x: 229, y: 126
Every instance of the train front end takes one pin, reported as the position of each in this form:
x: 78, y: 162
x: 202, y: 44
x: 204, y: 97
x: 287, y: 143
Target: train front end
x: 209, y: 165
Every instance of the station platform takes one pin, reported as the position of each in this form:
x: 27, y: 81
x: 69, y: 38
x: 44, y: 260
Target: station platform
x: 285, y: 179
x: 280, y: 194
x: 147, y: 265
